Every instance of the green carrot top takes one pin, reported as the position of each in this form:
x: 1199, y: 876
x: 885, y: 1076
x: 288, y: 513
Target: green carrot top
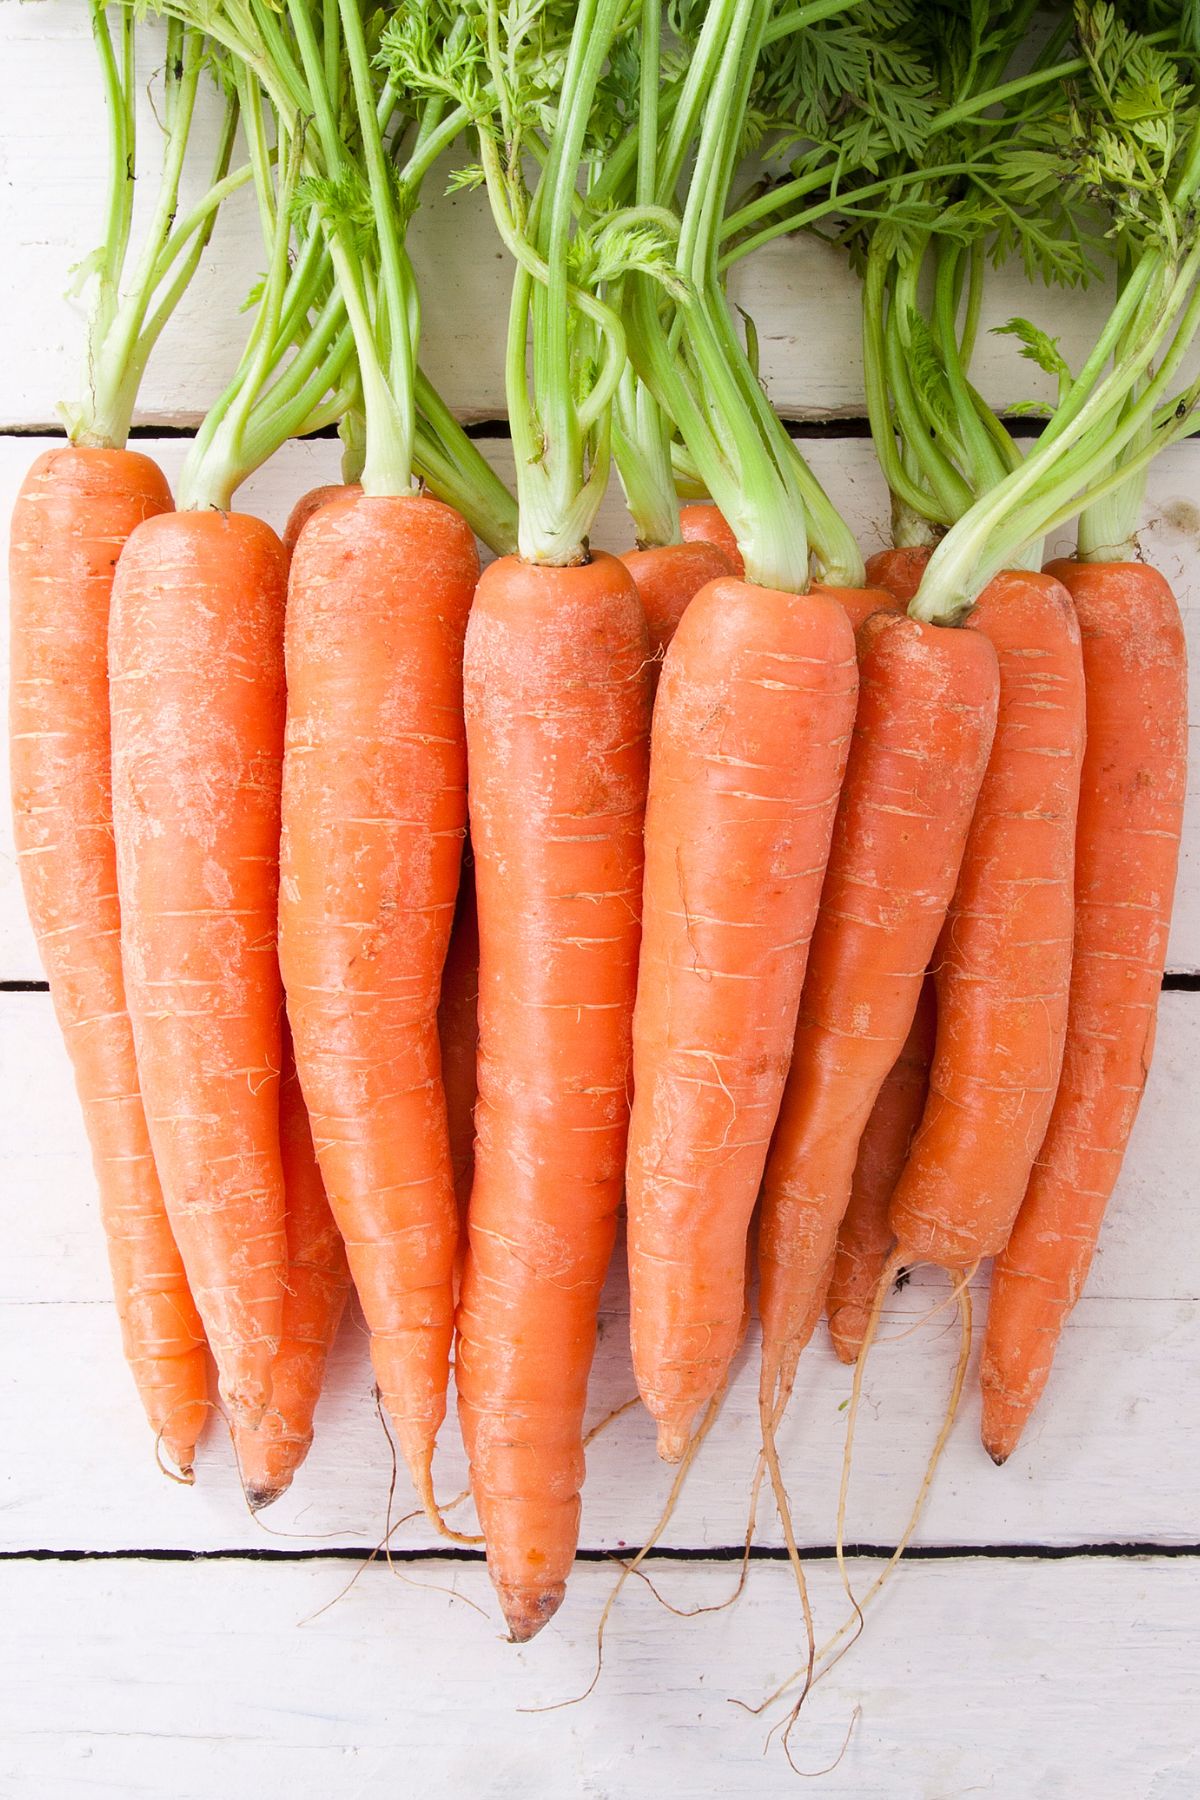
x: 130, y: 306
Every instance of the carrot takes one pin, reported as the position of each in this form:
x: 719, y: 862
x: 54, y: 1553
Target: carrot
x: 557, y: 702
x: 703, y: 523
x: 75, y: 510
x: 865, y: 1239
x: 310, y: 503
x: 318, y: 1276
x: 458, y: 1034
x: 859, y: 604
x: 374, y: 809
x: 899, y: 571
x: 751, y: 732
x: 196, y: 684
x: 922, y: 732
x: 667, y: 578
x: 1127, y: 850
x: 1004, y: 961
x: 318, y: 1281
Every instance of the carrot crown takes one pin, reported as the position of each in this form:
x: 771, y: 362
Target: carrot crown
x: 682, y: 338
x: 338, y: 318
x: 814, y: 95
x: 528, y: 75
x: 130, y: 309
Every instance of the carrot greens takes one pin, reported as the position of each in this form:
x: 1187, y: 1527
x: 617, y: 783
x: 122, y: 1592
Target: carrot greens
x: 130, y: 307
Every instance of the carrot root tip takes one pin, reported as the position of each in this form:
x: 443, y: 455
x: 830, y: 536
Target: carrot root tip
x: 259, y: 1495
x: 674, y: 1436
x: 999, y: 1457
x: 526, y: 1610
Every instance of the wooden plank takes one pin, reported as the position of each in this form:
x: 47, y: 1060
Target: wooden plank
x: 1105, y: 1458
x: 1046, y: 1679
x: 800, y: 293
x: 846, y: 466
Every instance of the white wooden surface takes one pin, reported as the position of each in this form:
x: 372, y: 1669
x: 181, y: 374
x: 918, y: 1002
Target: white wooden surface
x: 800, y: 295
x: 402, y: 1689
x: 123, y: 1677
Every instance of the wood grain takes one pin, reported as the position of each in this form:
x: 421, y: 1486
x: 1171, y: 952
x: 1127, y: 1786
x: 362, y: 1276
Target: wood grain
x: 801, y: 295
x: 126, y: 1678
x: 1106, y: 1457
x: 1031, y: 1681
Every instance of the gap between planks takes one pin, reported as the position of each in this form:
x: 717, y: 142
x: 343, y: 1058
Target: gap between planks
x: 1116, y: 1551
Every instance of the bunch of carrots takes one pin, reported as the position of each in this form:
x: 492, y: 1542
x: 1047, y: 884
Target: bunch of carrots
x: 404, y: 921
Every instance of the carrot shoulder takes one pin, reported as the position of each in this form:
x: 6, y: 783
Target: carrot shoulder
x: 196, y: 656
x: 1127, y: 853
x: 751, y: 731
x: 668, y: 577
x: 76, y: 509
x: 557, y: 704
x: 899, y: 570
x: 374, y: 811
x: 1004, y: 958
x: 701, y: 522
x: 312, y: 502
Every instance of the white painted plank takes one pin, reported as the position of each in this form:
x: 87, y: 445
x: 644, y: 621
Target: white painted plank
x: 800, y: 293
x: 848, y: 469
x: 1053, y: 1680
x: 1106, y: 1457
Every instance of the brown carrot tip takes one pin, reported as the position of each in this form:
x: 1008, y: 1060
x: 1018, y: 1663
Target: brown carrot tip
x: 999, y: 1435
x: 183, y: 1456
x: 526, y: 1610
x: 259, y: 1494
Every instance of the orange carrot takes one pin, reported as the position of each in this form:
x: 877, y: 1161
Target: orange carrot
x: 751, y: 732
x: 1004, y: 960
x: 922, y: 732
x: 75, y: 510
x: 318, y: 1276
x: 667, y: 578
x: 557, y: 705
x: 1127, y: 850
x: 318, y: 1281
x: 310, y: 503
x: 859, y: 604
x: 899, y: 571
x: 196, y: 686
x: 703, y: 523
x: 865, y: 1239
x: 458, y: 1033
x: 374, y: 809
